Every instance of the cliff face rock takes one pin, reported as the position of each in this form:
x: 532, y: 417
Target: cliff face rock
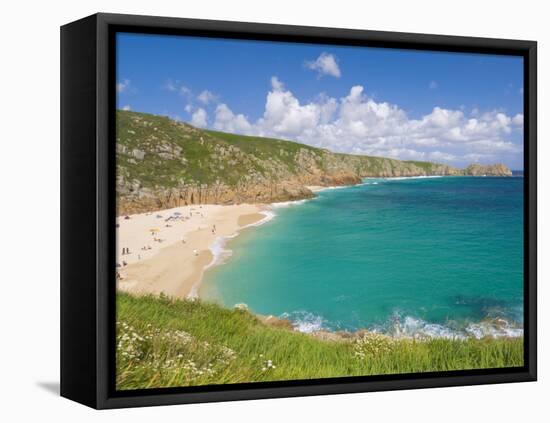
x: 488, y: 170
x: 162, y: 163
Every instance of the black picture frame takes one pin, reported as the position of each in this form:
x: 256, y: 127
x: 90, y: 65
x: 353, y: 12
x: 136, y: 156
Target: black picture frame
x: 88, y: 213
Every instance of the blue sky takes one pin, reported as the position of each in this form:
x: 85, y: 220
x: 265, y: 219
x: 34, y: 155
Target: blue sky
x: 446, y: 107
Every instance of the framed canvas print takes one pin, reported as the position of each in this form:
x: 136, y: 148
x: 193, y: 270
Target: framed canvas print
x: 254, y: 211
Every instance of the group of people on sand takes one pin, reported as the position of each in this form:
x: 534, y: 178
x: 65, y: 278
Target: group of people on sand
x: 172, y: 218
x: 124, y: 264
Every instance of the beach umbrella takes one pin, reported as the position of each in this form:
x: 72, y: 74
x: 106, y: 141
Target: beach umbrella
x: 154, y: 230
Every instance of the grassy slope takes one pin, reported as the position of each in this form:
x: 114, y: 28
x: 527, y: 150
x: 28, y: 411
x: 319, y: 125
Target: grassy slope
x: 265, y: 148
x: 164, y: 342
x: 200, y: 148
x: 203, y: 161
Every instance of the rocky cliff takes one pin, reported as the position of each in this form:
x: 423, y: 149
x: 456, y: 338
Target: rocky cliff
x: 162, y: 163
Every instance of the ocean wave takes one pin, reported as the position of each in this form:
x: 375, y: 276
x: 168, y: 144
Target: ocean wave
x: 502, y: 329
x: 268, y: 215
x: 414, y: 327
x: 220, y: 253
x: 410, y: 327
x: 400, y: 178
x: 284, y: 204
x: 304, y: 321
x: 338, y: 187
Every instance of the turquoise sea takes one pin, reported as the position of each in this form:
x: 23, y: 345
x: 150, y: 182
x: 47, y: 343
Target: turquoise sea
x: 437, y: 256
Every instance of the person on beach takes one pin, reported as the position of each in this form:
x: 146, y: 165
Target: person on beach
x: 195, y: 252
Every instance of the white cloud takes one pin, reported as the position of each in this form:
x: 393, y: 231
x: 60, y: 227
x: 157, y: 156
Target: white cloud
x: 170, y: 86
x: 127, y: 107
x: 439, y: 156
x: 227, y: 121
x: 123, y: 85
x: 206, y: 97
x: 358, y: 124
x: 183, y: 90
x: 199, y: 118
x: 518, y: 119
x: 284, y: 114
x: 433, y: 85
x: 177, y: 87
x: 188, y: 108
x: 325, y: 64
x: 276, y: 84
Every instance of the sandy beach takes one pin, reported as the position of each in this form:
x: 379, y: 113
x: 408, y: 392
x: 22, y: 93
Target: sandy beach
x: 168, y: 251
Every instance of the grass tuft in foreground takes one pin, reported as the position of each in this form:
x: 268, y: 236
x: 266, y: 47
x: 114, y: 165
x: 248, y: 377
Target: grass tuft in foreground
x: 167, y: 343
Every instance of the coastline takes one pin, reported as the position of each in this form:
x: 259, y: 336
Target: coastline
x: 171, y: 267
x: 160, y: 262
x: 167, y: 252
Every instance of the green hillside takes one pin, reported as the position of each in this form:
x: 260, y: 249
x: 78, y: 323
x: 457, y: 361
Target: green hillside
x: 162, y: 163
x: 163, y: 343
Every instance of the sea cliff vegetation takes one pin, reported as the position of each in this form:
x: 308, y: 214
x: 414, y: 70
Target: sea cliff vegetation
x: 163, y: 342
x: 163, y: 163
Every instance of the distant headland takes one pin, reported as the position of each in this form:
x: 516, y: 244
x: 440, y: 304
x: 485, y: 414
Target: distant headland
x: 162, y: 163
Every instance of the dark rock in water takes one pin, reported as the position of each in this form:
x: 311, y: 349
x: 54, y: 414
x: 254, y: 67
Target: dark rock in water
x: 276, y: 322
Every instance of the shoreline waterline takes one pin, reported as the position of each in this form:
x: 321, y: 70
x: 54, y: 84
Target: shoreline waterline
x: 218, y: 250
x: 477, y: 323
x: 168, y: 251
x: 217, y: 253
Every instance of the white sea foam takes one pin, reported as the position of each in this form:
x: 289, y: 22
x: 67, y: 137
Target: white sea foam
x: 304, y: 321
x: 220, y: 253
x: 217, y: 248
x: 284, y: 204
x: 268, y: 215
x: 400, y: 178
x: 338, y: 187
x: 413, y: 327
x: 493, y: 330
x: 409, y: 327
